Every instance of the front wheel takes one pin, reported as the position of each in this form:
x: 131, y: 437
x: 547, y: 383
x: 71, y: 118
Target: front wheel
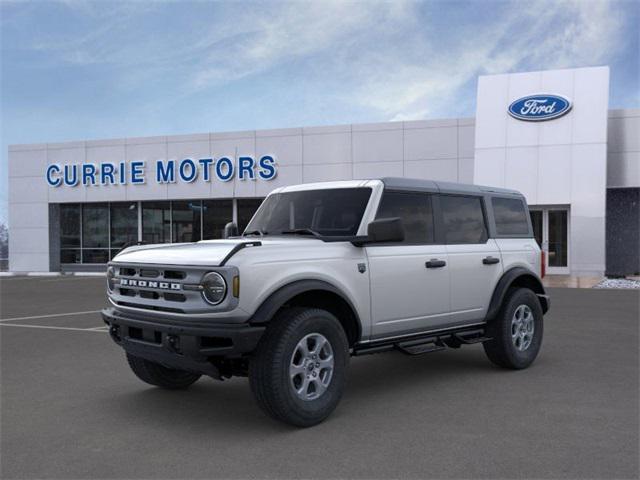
x: 516, y: 332
x: 298, y: 372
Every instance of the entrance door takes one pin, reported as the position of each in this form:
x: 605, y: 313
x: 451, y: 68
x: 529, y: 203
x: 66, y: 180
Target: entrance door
x: 551, y: 231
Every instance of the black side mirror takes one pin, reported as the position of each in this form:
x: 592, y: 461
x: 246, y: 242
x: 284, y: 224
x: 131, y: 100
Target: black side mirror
x: 230, y: 230
x: 385, y: 230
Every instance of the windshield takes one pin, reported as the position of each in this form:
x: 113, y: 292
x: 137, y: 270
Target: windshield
x: 326, y: 212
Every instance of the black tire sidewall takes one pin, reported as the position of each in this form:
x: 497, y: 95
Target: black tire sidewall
x: 513, y: 357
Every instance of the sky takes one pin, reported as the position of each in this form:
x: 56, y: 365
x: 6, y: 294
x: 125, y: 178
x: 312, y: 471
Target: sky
x: 76, y: 70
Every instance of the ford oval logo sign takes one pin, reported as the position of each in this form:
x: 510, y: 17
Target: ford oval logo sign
x: 536, y: 108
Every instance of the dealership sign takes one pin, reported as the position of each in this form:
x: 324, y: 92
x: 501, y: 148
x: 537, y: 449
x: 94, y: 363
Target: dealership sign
x: 138, y: 172
x: 540, y: 107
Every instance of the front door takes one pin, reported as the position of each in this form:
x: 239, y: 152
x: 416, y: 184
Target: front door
x: 551, y: 231
x: 410, y: 279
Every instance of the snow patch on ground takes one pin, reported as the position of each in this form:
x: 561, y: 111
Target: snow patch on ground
x: 618, y: 283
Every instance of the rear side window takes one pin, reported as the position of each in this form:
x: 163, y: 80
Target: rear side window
x: 510, y: 216
x: 415, y: 211
x: 463, y: 219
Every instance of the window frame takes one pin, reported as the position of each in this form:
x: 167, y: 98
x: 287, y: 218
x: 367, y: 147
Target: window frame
x: 483, y: 209
x: 435, y: 204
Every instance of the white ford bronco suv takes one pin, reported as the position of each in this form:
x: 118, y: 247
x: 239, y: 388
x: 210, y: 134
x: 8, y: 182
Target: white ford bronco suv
x: 327, y: 271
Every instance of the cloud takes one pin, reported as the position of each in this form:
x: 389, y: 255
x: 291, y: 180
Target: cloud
x: 534, y: 35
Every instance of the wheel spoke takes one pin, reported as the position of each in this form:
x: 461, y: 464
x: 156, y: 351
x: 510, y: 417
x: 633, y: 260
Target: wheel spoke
x: 311, y: 366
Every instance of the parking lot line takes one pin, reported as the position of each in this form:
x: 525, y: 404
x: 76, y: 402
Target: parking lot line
x: 35, y: 317
x: 52, y: 328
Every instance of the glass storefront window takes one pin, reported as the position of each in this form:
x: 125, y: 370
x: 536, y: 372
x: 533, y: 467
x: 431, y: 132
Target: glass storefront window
x: 156, y: 222
x: 95, y: 255
x: 70, y: 255
x: 246, y: 208
x: 217, y: 213
x: 124, y: 224
x: 69, y: 226
x: 95, y: 225
x: 186, y: 221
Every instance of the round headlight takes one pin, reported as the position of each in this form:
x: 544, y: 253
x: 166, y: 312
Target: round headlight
x: 214, y: 288
x: 111, y: 273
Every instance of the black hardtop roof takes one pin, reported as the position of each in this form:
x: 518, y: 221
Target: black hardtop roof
x: 414, y: 184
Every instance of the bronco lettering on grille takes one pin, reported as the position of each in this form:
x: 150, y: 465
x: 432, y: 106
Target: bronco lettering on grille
x: 130, y: 282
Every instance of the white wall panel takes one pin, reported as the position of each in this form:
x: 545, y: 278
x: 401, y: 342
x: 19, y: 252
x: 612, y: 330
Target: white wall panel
x: 367, y: 170
x: 588, y: 179
x: 377, y: 146
x: 27, y: 163
x: 29, y: 262
x: 431, y: 143
x: 326, y: 173
x: 442, y: 170
x: 591, y: 105
x: 323, y: 149
x: 29, y: 240
x: 521, y: 171
x: 493, y: 95
x: 554, y: 175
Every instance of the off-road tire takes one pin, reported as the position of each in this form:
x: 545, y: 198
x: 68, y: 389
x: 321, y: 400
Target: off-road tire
x: 269, y: 366
x: 160, y: 376
x: 501, y: 349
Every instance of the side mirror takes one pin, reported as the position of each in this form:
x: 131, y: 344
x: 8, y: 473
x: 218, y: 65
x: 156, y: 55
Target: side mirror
x: 385, y: 230
x: 230, y: 230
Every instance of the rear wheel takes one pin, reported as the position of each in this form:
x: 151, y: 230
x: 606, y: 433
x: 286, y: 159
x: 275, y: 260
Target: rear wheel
x: 160, y: 376
x: 299, y: 370
x: 516, y: 332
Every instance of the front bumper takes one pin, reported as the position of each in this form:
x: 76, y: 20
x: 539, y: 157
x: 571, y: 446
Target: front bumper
x: 190, y: 347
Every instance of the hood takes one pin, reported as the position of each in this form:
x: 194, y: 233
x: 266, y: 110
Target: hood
x: 205, y: 253
x: 201, y: 253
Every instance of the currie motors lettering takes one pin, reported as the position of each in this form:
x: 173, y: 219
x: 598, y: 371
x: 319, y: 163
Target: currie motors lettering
x: 188, y: 170
x: 537, y: 108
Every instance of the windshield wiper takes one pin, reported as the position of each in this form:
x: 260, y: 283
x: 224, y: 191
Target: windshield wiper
x: 301, y: 231
x: 254, y: 232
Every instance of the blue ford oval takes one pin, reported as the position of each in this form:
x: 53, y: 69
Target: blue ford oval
x: 536, y: 108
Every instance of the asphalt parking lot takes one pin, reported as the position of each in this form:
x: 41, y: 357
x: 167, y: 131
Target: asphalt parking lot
x: 71, y: 408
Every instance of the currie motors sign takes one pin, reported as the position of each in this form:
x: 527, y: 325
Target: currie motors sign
x: 187, y: 170
x: 540, y: 107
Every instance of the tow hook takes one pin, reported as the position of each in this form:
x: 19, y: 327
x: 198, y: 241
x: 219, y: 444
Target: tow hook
x: 114, y: 331
x: 173, y: 343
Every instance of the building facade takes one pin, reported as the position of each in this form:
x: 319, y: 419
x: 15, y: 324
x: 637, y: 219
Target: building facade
x: 549, y: 134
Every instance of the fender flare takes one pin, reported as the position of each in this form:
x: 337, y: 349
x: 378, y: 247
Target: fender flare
x: 279, y: 298
x: 524, y: 276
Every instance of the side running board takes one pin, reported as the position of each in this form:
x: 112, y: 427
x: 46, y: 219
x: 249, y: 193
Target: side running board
x: 425, y: 343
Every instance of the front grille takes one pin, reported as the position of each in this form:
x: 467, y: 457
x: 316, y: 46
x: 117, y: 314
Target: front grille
x: 162, y: 289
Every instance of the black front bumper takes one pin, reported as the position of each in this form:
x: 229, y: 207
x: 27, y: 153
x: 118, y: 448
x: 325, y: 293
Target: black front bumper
x: 178, y: 345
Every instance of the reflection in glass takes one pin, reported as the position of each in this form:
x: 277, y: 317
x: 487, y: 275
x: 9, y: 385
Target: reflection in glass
x: 246, y: 208
x: 557, y: 238
x: 69, y: 225
x: 217, y: 213
x: 510, y: 216
x: 156, y: 222
x: 536, y: 222
x: 95, y: 225
x: 70, y: 255
x: 95, y: 255
x: 124, y: 224
x: 186, y: 221
x: 414, y: 209
x: 463, y: 219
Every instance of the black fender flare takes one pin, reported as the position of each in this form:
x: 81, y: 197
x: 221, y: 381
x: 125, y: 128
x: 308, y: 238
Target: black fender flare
x: 523, y: 277
x: 279, y: 298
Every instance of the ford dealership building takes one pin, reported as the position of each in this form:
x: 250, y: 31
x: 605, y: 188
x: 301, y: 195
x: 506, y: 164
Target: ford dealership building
x: 549, y: 134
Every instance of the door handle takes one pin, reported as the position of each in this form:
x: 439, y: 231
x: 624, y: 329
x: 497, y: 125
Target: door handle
x: 435, y: 263
x: 490, y: 260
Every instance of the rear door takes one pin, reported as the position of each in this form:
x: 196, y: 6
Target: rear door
x: 409, y: 279
x: 474, y: 258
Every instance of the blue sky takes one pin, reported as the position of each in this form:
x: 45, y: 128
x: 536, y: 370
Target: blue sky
x: 74, y: 70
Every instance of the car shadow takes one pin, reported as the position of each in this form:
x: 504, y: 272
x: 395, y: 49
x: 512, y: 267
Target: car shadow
x: 229, y: 405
